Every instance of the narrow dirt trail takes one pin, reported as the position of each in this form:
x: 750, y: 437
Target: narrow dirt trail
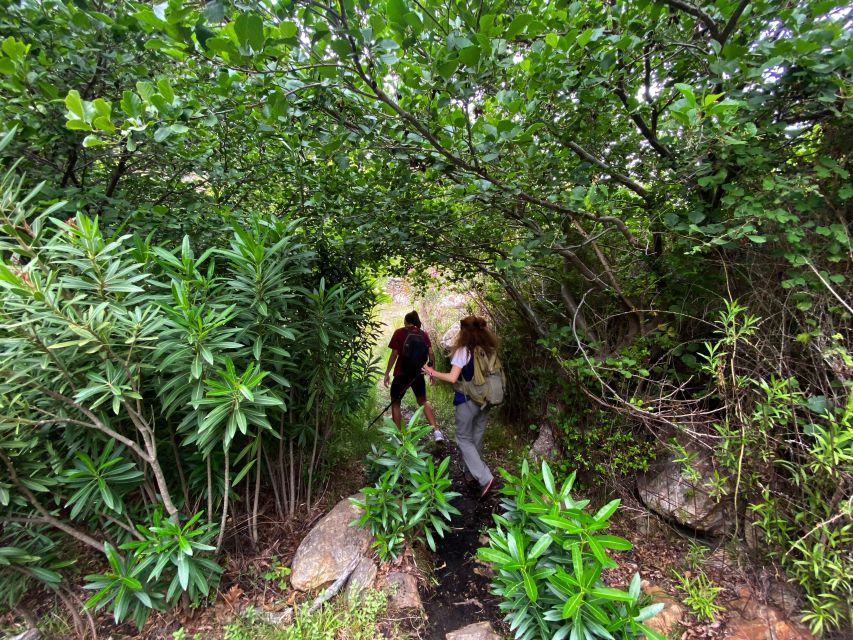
x: 462, y: 595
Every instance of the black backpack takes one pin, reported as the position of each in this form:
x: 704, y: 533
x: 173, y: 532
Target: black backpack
x: 414, y: 354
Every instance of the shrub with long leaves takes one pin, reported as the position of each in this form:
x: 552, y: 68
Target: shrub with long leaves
x: 548, y: 554
x: 141, y: 384
x: 411, y: 499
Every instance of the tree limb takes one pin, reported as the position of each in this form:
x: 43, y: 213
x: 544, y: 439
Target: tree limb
x: 648, y: 134
x: 618, y: 177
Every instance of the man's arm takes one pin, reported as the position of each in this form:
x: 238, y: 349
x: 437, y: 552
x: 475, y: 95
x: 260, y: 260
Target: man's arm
x: 390, y: 366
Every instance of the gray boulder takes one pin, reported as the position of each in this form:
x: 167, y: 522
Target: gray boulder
x: 477, y: 631
x: 448, y: 340
x: 684, y: 494
x: 329, y: 548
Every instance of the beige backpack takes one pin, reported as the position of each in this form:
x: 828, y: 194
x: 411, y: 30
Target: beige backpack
x: 486, y: 388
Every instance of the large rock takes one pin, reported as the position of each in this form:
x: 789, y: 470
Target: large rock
x: 329, y: 547
x: 477, y: 631
x: 666, y: 489
x: 545, y: 447
x: 448, y: 340
x: 402, y: 591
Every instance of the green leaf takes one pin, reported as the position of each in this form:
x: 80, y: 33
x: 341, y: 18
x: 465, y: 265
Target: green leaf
x: 613, y: 542
x: 183, y: 570
x: 530, y: 587
x: 519, y: 23
x: 342, y: 48
x: 492, y: 555
x: 166, y: 90
x: 91, y: 141
x: 470, y: 55
x: 572, y: 604
x: 74, y: 104
x: 249, y: 28
x: 540, y: 547
x: 131, y: 104
x: 287, y: 29
x: 448, y: 68
x: 609, y: 593
x: 582, y: 40
x: 817, y: 404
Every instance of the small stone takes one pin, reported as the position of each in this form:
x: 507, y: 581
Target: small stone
x: 669, y: 616
x: 29, y: 634
x: 329, y: 547
x: 402, y: 591
x: 477, y: 631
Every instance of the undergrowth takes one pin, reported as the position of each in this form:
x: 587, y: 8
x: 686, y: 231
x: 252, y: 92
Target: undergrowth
x: 356, y: 619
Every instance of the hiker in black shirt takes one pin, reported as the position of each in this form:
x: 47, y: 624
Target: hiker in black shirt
x: 411, y: 349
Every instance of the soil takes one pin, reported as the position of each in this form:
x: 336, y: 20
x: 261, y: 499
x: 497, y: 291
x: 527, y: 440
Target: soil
x: 462, y: 593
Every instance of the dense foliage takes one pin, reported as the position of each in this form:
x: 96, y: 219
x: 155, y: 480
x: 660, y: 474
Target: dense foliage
x: 143, y: 385
x: 549, y: 553
x: 656, y: 190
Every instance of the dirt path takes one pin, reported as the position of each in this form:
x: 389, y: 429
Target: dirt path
x: 462, y: 595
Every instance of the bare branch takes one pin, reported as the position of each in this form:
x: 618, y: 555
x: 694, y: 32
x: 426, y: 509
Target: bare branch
x: 697, y: 13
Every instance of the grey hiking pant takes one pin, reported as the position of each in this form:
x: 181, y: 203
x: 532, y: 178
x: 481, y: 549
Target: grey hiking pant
x: 470, y: 427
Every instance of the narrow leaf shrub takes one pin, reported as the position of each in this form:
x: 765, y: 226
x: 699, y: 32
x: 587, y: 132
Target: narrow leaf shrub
x: 141, y: 385
x: 548, y: 554
x: 411, y: 499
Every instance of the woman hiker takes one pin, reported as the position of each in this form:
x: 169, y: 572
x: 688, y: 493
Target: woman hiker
x: 470, y: 417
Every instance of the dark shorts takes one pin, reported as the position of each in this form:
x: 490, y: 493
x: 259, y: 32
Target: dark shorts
x: 398, y: 387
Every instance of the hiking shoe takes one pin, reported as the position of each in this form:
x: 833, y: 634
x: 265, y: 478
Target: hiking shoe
x: 438, y: 436
x: 486, y: 488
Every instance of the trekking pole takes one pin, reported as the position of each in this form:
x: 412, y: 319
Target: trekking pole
x: 406, y: 388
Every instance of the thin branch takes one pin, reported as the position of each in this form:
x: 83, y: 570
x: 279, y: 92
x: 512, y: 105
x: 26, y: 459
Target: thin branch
x: 697, y: 13
x: 648, y: 134
x: 96, y: 422
x: 732, y: 23
x: 49, y: 519
x: 618, y: 177
x: 830, y: 289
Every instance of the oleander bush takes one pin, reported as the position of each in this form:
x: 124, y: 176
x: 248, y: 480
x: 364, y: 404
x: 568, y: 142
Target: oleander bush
x: 411, y: 500
x: 143, y: 384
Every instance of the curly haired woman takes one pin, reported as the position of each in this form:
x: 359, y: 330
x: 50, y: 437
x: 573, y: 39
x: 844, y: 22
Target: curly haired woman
x: 470, y: 417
